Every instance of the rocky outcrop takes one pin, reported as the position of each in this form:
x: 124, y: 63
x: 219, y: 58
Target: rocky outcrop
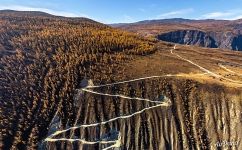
x: 227, y: 40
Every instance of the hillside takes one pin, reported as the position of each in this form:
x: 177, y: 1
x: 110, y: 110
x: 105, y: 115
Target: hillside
x: 43, y: 60
x: 73, y: 83
x: 207, y: 33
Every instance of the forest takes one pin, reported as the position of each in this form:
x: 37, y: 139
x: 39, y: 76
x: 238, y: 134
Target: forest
x: 43, y: 59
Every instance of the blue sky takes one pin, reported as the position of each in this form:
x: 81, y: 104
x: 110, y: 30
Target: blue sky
x: 120, y: 11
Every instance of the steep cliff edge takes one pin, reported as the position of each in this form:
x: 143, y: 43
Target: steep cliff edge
x: 189, y: 37
x: 237, y: 43
x: 222, y: 40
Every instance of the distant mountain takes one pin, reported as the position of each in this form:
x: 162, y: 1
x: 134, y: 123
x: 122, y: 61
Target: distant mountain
x: 164, y: 21
x: 27, y: 13
x: 209, y: 33
x: 14, y: 13
x: 160, y: 21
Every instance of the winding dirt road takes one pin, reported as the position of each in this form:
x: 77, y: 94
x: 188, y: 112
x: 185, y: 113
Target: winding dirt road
x: 117, y: 143
x: 205, y: 70
x: 230, y: 71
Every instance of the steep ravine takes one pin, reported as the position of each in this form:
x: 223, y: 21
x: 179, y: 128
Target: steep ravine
x: 200, y: 117
x: 226, y: 40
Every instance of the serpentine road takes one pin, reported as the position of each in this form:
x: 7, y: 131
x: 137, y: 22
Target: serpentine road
x: 117, y: 143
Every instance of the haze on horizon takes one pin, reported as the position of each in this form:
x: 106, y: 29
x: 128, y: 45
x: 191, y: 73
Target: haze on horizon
x: 125, y: 11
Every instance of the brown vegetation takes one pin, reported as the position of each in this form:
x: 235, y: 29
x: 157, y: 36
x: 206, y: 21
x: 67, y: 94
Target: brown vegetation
x: 43, y: 60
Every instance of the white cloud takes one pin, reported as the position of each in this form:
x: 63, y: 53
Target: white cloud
x: 127, y: 19
x: 50, y: 11
x: 176, y: 13
x: 217, y: 14
x: 152, y: 5
x: 228, y: 15
x: 237, y: 17
x: 121, y: 19
x: 142, y: 10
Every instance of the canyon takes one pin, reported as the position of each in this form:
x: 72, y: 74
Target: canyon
x: 222, y: 34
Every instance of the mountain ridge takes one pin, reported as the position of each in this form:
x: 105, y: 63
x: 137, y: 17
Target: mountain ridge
x: 225, y: 33
x: 172, y: 20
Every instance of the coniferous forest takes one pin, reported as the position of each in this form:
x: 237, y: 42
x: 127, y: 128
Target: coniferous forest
x: 43, y: 59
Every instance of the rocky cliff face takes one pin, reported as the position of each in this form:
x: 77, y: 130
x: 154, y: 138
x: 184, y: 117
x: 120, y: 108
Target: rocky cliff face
x: 190, y: 37
x: 237, y: 43
x: 226, y: 40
